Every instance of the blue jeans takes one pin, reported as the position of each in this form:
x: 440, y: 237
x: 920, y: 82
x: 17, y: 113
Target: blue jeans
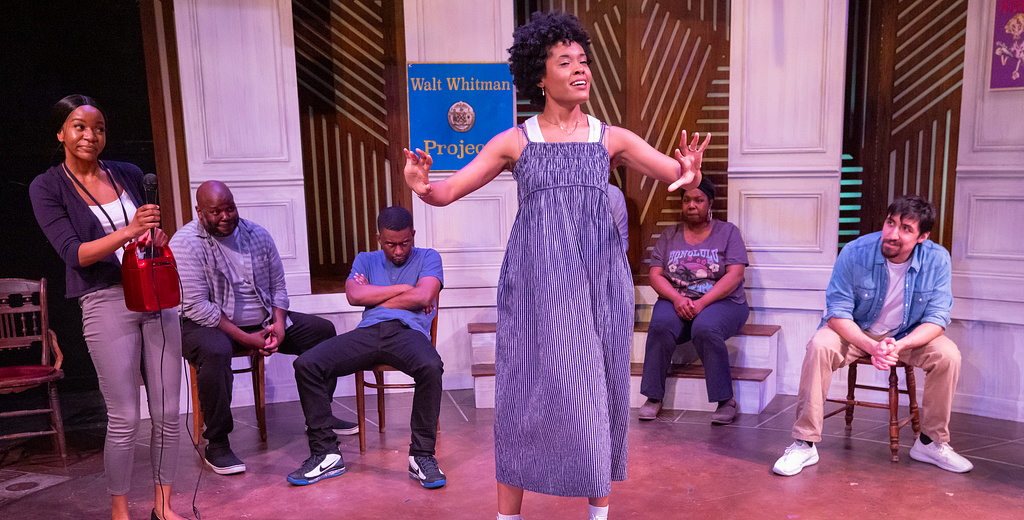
x: 386, y: 343
x: 708, y: 331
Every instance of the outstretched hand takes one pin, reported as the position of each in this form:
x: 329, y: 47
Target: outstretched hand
x: 689, y: 159
x: 417, y: 171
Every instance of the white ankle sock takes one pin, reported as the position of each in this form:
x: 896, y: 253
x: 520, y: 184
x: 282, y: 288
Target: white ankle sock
x: 598, y: 513
x: 508, y: 517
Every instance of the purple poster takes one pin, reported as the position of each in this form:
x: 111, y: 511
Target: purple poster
x: 1008, y: 45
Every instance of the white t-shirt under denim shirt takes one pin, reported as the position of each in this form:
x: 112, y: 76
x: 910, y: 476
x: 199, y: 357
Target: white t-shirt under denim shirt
x: 891, y: 315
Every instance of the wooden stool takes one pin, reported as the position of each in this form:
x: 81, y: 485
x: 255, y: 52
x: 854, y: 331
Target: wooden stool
x: 380, y: 386
x: 894, y: 402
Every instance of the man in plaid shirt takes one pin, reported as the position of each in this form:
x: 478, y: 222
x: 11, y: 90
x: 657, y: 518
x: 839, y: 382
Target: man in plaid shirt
x: 234, y: 300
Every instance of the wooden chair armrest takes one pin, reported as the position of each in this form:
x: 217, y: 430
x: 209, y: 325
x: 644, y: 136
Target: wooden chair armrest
x: 58, y: 356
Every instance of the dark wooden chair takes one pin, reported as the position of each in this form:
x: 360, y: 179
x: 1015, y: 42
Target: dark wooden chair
x: 380, y: 386
x: 258, y: 371
x: 24, y: 323
x: 895, y: 423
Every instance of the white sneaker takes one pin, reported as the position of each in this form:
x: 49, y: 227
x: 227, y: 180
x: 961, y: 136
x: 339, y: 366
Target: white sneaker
x: 798, y: 456
x: 940, y: 454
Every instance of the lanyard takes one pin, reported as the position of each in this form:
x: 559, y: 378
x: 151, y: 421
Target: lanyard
x: 112, y: 183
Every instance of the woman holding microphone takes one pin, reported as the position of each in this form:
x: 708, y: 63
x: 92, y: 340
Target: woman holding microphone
x: 89, y: 210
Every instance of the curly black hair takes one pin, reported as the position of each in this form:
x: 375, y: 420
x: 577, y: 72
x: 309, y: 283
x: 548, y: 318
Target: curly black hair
x: 529, y: 51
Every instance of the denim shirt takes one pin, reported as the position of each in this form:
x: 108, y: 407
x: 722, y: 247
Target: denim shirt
x: 860, y: 279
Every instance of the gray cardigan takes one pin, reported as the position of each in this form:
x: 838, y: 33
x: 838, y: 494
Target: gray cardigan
x: 68, y: 222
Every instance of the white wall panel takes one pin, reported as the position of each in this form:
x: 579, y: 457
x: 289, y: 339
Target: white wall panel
x: 992, y: 369
x: 990, y: 120
x: 991, y: 219
x: 471, y: 233
x: 786, y: 220
x: 240, y: 110
x: 797, y: 328
x: 238, y: 88
x: 471, y: 30
x: 988, y: 213
x: 786, y: 81
x: 987, y: 252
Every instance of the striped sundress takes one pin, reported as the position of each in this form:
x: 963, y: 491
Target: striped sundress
x: 565, y: 324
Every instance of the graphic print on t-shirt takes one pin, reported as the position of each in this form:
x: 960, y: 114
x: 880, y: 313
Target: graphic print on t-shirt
x: 693, y: 271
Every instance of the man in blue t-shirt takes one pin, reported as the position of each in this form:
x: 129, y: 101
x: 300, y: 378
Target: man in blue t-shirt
x: 398, y: 285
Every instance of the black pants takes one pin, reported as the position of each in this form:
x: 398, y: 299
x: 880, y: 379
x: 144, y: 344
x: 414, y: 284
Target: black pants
x: 210, y: 350
x: 389, y: 343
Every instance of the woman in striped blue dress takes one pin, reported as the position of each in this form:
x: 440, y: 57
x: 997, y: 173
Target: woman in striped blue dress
x: 565, y: 294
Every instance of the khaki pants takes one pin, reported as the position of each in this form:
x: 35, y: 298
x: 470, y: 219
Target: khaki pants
x: 828, y: 352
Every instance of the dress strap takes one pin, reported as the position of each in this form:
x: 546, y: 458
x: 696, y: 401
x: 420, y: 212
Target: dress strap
x: 526, y: 134
x: 531, y: 127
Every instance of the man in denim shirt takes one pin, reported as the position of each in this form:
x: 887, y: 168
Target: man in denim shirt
x: 889, y: 298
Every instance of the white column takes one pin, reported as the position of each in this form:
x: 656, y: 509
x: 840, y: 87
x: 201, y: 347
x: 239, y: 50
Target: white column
x: 988, y: 215
x: 785, y: 147
x: 240, y: 106
x: 241, y: 115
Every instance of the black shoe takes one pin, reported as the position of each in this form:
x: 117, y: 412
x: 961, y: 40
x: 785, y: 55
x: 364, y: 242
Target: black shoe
x: 425, y: 470
x: 317, y: 468
x: 152, y: 516
x: 341, y: 427
x: 223, y: 460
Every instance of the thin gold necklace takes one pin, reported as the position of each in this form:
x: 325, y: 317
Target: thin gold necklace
x: 562, y: 128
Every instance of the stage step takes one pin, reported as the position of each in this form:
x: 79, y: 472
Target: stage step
x: 753, y: 355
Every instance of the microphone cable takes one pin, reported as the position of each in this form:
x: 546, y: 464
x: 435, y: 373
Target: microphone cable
x: 185, y: 365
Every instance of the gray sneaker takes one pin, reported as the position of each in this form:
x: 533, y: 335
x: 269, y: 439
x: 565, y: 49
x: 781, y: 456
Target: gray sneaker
x: 725, y: 414
x: 649, y: 411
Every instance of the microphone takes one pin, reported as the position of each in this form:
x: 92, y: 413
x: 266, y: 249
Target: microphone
x: 150, y: 279
x: 149, y: 186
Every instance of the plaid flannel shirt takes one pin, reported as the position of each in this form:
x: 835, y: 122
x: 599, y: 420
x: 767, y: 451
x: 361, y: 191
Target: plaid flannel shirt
x: 206, y: 289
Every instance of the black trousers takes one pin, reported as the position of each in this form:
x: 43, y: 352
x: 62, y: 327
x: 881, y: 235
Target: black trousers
x: 389, y: 343
x: 210, y: 350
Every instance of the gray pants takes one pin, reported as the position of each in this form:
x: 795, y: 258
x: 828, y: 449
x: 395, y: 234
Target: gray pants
x: 120, y: 342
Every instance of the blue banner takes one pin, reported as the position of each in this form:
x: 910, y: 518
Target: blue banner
x: 455, y: 108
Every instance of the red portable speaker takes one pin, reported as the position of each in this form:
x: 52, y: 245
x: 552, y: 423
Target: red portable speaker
x: 150, y: 284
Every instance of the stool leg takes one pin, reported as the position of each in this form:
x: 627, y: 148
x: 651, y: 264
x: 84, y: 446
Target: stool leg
x: 361, y: 410
x: 197, y: 411
x: 851, y: 385
x: 894, y: 422
x: 378, y: 375
x: 915, y: 416
x: 259, y: 393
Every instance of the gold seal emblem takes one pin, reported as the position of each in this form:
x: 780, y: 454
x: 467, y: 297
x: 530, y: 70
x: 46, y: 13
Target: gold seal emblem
x: 461, y: 117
